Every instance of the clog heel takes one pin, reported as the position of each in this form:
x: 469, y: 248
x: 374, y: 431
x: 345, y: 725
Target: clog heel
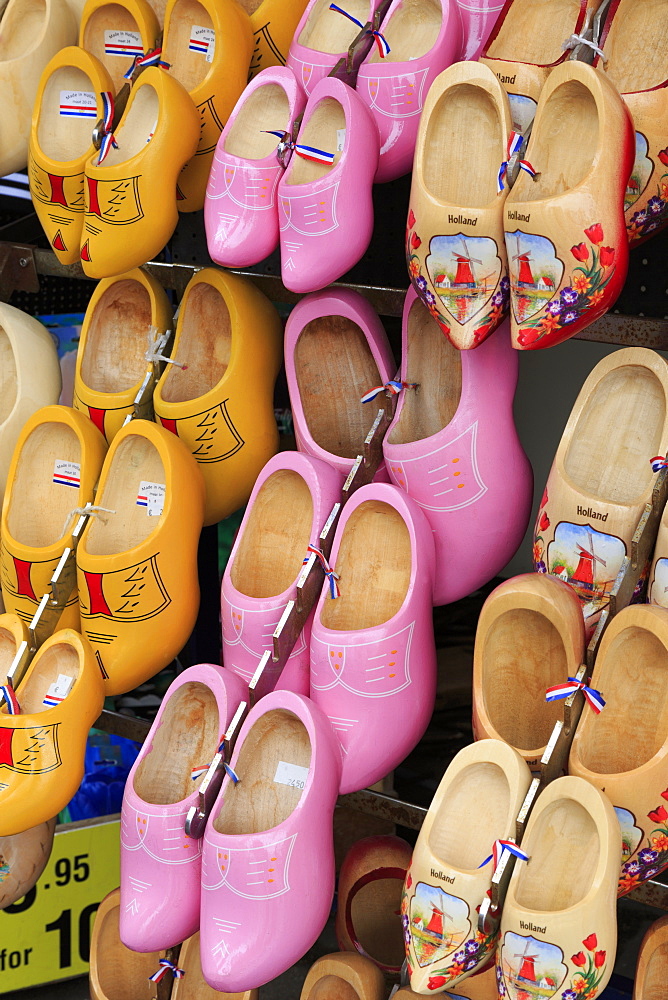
x: 343, y: 976
x: 192, y: 985
x: 623, y: 749
x: 652, y: 968
x: 116, y: 973
x: 117, y: 34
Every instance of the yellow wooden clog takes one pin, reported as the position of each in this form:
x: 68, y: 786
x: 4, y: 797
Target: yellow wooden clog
x: 137, y: 565
x: 208, y: 45
x: 67, y: 108
x: 53, y: 472
x: 116, y: 33
x: 124, y: 319
x: 42, y: 747
x: 218, y: 395
x: 274, y: 23
x: 130, y: 197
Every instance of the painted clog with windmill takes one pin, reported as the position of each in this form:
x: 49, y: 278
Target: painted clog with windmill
x: 455, y: 249
x: 601, y: 477
x: 652, y: 968
x: 453, y: 862
x: 323, y: 36
x: 633, y: 771
x: 566, y: 240
x: 453, y: 447
x: 559, y: 921
x: 119, y: 34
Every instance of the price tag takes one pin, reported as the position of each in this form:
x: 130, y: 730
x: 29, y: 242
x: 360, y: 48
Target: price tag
x: 152, y: 497
x: 45, y: 936
x: 67, y: 473
x: 58, y: 691
x: 291, y: 774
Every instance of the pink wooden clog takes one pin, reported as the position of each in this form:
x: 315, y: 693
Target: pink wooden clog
x: 478, y: 20
x: 324, y: 35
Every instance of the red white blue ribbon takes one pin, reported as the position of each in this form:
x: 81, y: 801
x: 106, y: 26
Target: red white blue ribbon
x: 108, y: 139
x: 165, y: 967
x: 314, y: 154
x: 515, y: 140
x: 525, y: 165
x: 381, y: 41
x: 8, y: 693
x: 594, y: 698
x: 498, y: 849
x: 152, y: 58
x: 658, y: 463
x: 197, y: 772
x: 332, y: 577
x: 231, y: 774
x: 394, y: 387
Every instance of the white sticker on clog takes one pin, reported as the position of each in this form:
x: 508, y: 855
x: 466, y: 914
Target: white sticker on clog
x: 203, y: 40
x: 67, y: 473
x: 58, y: 691
x: 151, y: 496
x: 291, y: 774
x: 340, y: 139
x: 78, y: 104
x: 123, y: 43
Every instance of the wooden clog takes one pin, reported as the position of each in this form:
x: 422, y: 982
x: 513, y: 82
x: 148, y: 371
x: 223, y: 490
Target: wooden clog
x: 218, y: 395
x: 481, y: 986
x: 116, y: 973
x: 530, y: 636
x: 193, y: 986
x: 559, y: 920
x: 130, y: 197
x: 631, y: 672
x: 652, y: 967
x: 274, y: 23
x: 67, y: 108
x: 455, y: 250
x: 657, y: 580
x: 23, y: 858
x: 527, y: 41
x: 564, y: 218
x: 33, y: 31
x: 208, y: 45
x: 369, y: 897
x: 116, y: 32
x: 601, y: 476
x: 124, y: 319
x: 638, y: 70
x: 342, y: 976
x: 323, y: 37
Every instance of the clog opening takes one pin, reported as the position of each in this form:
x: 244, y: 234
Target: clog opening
x: 63, y: 136
x: 626, y: 735
x: 462, y: 833
x: 8, y: 377
x: 246, y: 137
x: 534, y: 31
x: 523, y: 653
x: 464, y: 127
x: 22, y: 27
x: 633, y: 64
x: 332, y: 988
x: 204, y: 346
x: 122, y: 974
x: 138, y: 125
x: 328, y: 31
x: 411, y: 32
x: 373, y: 911
x: 114, y: 357
x: 38, y: 507
x: 325, y: 130
x: 59, y: 660
x: 551, y: 881
x: 187, y: 738
x: 262, y: 799
x: 135, y: 461
x: 7, y: 652
x: 274, y: 541
x: 187, y: 65
x: 435, y: 365
x: 373, y: 589
x: 334, y: 368
x: 621, y: 424
x: 653, y: 987
x: 114, y: 17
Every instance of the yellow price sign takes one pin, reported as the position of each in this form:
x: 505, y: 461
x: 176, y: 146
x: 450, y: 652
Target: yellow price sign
x: 46, y: 935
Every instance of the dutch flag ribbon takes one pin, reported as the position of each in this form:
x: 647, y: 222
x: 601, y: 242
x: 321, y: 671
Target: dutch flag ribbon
x: 515, y: 140
x: 165, y: 967
x: 332, y: 577
x: 393, y: 387
x: 525, y: 165
x: 381, y: 41
x: 231, y: 774
x: 108, y: 139
x: 658, y: 463
x: 497, y: 852
x: 197, y: 772
x: 152, y: 58
x: 8, y: 693
x: 314, y: 154
x: 594, y: 698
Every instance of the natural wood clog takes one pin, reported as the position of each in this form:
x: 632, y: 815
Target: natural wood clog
x: 118, y: 32
x: 624, y: 750
x: 208, y: 45
x: 601, y: 477
x: 449, y: 877
x: 559, y: 920
x: 638, y: 70
x: 564, y: 218
x: 368, y: 917
x: 32, y: 32
x: 116, y: 973
x: 23, y: 858
x: 67, y: 108
x: 218, y: 395
x: 53, y: 473
x: 342, y: 976
x: 193, y: 986
x: 454, y: 239
x: 527, y: 41
x: 530, y: 636
x: 125, y: 318
x: 652, y: 967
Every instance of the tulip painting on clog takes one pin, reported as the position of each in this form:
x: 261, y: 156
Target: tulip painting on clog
x: 652, y: 857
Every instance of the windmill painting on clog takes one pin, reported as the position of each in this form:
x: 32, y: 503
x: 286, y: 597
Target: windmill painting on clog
x: 601, y: 477
x: 323, y: 37
x: 564, y: 218
x: 637, y: 67
x: 455, y: 250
